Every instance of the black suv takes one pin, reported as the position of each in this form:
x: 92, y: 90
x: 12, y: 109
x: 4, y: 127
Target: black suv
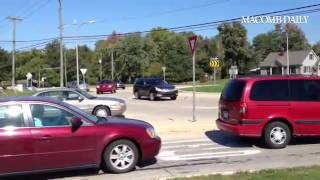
x: 154, y: 88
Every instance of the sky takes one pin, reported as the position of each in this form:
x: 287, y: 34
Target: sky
x: 40, y: 17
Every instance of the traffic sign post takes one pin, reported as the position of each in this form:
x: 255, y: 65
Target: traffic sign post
x: 214, y: 64
x: 83, y: 71
x: 192, y: 44
x: 29, y: 78
x: 233, y: 72
x: 164, y: 72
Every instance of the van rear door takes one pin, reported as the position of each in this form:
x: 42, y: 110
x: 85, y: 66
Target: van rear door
x: 230, y: 101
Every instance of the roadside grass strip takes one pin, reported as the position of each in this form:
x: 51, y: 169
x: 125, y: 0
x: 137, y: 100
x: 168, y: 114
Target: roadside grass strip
x: 299, y: 173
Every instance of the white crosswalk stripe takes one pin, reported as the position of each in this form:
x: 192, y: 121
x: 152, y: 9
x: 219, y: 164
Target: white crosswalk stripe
x: 183, y: 150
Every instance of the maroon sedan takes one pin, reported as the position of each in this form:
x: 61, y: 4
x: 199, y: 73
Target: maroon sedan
x: 106, y: 86
x: 41, y: 134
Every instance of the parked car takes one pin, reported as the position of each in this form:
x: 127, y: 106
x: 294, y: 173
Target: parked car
x: 40, y: 134
x: 154, y: 88
x: 82, y: 85
x: 119, y: 84
x: 106, y: 86
x: 271, y: 108
x: 99, y: 106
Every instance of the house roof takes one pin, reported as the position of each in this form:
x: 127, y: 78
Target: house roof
x: 278, y: 59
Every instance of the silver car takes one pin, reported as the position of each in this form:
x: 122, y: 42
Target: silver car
x: 99, y: 106
x: 82, y: 85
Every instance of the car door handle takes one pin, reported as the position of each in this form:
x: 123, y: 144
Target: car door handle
x: 46, y: 138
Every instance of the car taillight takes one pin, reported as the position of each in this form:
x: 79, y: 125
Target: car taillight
x: 98, y: 86
x: 243, y: 109
x: 109, y: 85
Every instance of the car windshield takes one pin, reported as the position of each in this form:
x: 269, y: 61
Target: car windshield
x: 91, y: 117
x: 104, y: 82
x: 156, y: 82
x: 86, y: 94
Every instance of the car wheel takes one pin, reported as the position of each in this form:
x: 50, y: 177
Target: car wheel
x: 123, y: 88
x: 102, y: 111
x: 152, y: 96
x: 277, y: 135
x: 120, y: 156
x: 98, y: 92
x: 173, y: 98
x: 137, y: 95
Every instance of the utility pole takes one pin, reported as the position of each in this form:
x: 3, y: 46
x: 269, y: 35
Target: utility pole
x: 65, y: 68
x: 78, y: 26
x: 14, y: 20
x: 100, y: 62
x: 112, y: 67
x: 288, y: 61
x: 61, y: 42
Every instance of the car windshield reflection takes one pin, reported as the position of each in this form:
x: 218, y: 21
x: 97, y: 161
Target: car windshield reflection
x: 86, y: 94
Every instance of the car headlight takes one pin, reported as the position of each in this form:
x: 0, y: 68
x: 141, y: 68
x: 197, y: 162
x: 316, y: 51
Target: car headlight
x: 151, y: 132
x: 122, y: 104
x: 158, y: 89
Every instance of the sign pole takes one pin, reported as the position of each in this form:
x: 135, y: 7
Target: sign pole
x: 194, y: 86
x: 214, y: 76
x: 192, y: 44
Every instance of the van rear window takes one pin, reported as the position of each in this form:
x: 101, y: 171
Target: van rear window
x: 233, y: 90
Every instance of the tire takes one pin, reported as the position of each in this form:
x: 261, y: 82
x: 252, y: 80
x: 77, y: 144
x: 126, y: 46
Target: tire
x: 152, y: 96
x: 277, y: 135
x: 98, y: 92
x: 173, y: 98
x: 102, y: 111
x: 137, y: 95
x: 126, y: 161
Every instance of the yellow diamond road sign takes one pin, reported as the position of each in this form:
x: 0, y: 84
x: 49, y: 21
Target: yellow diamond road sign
x: 214, y: 63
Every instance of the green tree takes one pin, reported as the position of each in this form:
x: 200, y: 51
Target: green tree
x: 236, y: 47
x: 275, y: 41
x: 316, y: 48
x: 5, y: 65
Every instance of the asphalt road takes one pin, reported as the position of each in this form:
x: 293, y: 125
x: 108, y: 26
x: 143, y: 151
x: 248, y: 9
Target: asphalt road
x: 173, y: 119
x: 216, y: 153
x: 197, y: 152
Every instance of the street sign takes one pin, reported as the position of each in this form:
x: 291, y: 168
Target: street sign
x: 83, y: 71
x: 192, y: 44
x: 233, y: 71
x: 214, y: 63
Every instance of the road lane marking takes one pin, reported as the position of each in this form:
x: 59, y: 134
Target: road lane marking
x: 214, y: 148
x: 170, y: 156
x: 188, y: 145
x: 185, y: 141
x: 200, y: 107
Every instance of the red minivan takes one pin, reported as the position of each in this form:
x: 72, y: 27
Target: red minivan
x: 273, y: 108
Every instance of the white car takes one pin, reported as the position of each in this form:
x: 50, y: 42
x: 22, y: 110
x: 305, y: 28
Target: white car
x: 99, y: 106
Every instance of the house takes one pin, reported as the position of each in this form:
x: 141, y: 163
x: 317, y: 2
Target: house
x: 305, y: 62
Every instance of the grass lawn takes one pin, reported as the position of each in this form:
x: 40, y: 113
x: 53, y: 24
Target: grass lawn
x: 301, y: 173
x: 6, y: 93
x: 209, y: 87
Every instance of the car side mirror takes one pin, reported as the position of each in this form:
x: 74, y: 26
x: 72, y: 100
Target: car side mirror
x: 80, y: 98
x: 75, y: 123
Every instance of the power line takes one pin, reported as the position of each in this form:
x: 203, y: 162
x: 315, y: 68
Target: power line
x: 149, y: 15
x: 195, y: 27
x: 30, y: 13
x: 189, y: 26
